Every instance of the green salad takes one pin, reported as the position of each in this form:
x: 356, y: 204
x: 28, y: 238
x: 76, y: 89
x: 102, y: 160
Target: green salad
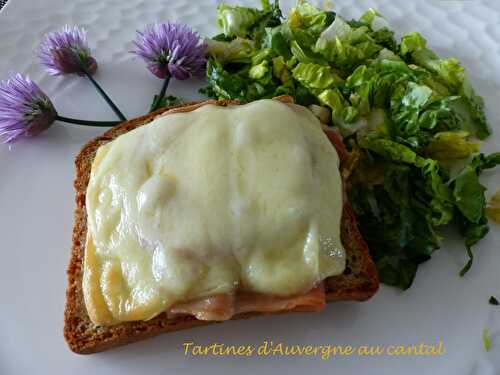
x: 410, y: 120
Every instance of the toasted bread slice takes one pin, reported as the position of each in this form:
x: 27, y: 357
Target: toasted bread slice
x: 358, y: 282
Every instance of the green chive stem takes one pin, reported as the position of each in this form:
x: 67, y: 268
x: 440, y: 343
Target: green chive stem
x: 104, y: 95
x: 157, y: 100
x: 86, y: 122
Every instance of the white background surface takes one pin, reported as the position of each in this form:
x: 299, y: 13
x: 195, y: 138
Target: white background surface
x: 37, y: 202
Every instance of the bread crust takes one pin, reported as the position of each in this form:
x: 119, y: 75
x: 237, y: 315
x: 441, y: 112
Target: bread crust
x: 358, y: 282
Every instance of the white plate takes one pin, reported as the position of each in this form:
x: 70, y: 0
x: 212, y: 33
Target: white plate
x: 37, y: 202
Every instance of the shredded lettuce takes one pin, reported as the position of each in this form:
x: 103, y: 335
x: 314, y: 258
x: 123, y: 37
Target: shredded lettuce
x: 450, y: 73
x: 333, y: 99
x: 469, y: 195
x: 307, y: 17
x: 238, y: 50
x: 315, y: 76
x: 411, y: 120
x: 237, y: 21
x: 451, y: 145
x: 374, y: 19
x: 471, y: 202
x: 344, y: 46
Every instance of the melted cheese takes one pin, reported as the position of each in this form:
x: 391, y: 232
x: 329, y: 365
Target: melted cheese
x: 218, y: 199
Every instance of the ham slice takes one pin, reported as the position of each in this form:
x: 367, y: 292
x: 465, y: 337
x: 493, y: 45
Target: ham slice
x: 336, y: 141
x: 224, y: 306
x: 216, y: 307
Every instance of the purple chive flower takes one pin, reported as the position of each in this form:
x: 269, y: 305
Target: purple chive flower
x: 66, y: 51
x: 25, y: 110
x: 171, y: 49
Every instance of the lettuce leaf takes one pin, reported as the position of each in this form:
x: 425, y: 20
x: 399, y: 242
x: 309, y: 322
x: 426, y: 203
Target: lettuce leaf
x: 226, y: 85
x: 333, y: 99
x: 451, y: 145
x: 469, y: 195
x: 223, y: 84
x: 412, y: 42
x: 304, y: 54
x: 282, y: 72
x: 472, y: 234
x: 470, y: 200
x: 238, y: 50
x: 394, y: 218
x: 345, y: 46
x: 435, y: 192
x: 236, y: 20
x: 314, y: 76
x: 278, y: 40
x: 304, y: 16
x: 374, y: 20
x: 271, y: 18
x: 259, y: 71
x: 399, y: 215
x: 451, y: 73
